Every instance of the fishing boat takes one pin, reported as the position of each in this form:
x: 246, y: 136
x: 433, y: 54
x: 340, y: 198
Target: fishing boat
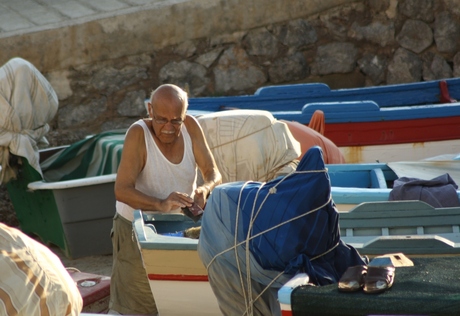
x: 177, y: 277
x: 373, y: 228
x: 385, y: 123
x: 353, y: 184
x: 70, y: 203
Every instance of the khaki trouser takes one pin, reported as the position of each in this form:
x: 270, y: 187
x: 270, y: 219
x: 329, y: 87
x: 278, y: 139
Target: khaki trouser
x: 129, y: 287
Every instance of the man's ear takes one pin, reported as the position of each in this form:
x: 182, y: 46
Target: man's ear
x: 149, y: 109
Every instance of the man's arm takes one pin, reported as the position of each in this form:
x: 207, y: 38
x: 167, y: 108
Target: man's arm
x: 132, y: 162
x: 204, y: 159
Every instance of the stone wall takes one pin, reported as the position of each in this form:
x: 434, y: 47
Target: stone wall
x: 347, y: 44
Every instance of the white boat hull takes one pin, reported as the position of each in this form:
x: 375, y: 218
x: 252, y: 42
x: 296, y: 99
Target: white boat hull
x: 399, y: 152
x: 178, y: 298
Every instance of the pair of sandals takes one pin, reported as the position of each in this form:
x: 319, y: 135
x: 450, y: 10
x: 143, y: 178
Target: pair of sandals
x: 372, y: 279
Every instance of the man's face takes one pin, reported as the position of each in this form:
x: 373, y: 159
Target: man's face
x: 167, y: 115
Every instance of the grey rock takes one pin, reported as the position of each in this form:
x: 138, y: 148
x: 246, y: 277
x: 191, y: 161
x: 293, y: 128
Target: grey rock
x: 185, y: 74
x: 186, y: 49
x: 71, y: 116
x: 446, y: 32
x: 289, y: 68
x: 261, y: 42
x: 451, y: 6
x: 456, y: 62
x: 235, y: 72
x: 417, y: 9
x: 110, y: 79
x: 209, y: 58
x: 337, y: 23
x: 336, y: 57
x: 376, y: 32
x: 133, y: 104
x: 374, y: 66
x: 405, y: 67
x: 298, y: 34
x: 415, y: 36
x: 118, y: 123
x: 437, y: 69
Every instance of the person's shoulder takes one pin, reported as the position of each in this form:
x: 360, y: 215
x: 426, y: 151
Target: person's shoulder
x: 192, y: 125
x: 136, y: 129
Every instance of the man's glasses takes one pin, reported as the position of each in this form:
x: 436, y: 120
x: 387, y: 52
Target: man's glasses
x: 163, y: 121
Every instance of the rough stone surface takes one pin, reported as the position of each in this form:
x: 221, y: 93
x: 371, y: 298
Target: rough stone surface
x: 261, y: 42
x: 185, y: 74
x: 436, y: 68
x: 376, y: 32
x: 374, y: 67
x: 417, y: 9
x: 133, y: 104
x: 288, y: 69
x: 405, y: 67
x: 336, y: 57
x: 446, y: 30
x: 415, y: 35
x: 456, y: 70
x: 347, y: 44
x: 209, y: 58
x: 297, y: 34
x: 235, y: 72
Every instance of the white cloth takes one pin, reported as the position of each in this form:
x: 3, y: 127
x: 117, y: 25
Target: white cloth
x: 27, y: 104
x: 427, y: 169
x: 33, y: 280
x: 160, y: 177
x: 249, y: 144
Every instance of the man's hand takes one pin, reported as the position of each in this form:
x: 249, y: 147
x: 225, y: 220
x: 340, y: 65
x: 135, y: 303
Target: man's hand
x: 201, y: 193
x: 176, y: 200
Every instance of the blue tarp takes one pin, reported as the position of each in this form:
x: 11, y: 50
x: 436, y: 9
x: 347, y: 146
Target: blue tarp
x: 283, y: 227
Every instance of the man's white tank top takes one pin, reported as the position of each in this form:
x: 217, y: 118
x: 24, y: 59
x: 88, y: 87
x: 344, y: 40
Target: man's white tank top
x: 160, y: 177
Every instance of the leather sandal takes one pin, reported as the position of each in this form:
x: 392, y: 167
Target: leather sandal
x: 353, y: 279
x: 378, y: 279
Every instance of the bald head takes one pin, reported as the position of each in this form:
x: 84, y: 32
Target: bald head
x: 171, y: 94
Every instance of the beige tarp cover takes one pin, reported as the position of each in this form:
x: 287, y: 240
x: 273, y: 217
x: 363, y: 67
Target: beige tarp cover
x: 249, y: 144
x: 33, y: 280
x: 427, y: 169
x: 27, y: 104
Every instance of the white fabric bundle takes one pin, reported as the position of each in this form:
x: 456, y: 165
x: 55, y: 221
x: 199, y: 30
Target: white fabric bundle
x: 249, y: 144
x: 27, y: 104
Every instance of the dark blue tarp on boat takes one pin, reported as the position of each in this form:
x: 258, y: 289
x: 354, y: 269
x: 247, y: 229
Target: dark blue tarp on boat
x: 280, y: 228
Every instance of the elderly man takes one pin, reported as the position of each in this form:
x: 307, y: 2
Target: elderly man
x: 157, y: 172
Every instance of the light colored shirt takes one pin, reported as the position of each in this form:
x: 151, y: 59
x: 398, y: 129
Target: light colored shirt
x: 160, y: 177
x: 33, y: 280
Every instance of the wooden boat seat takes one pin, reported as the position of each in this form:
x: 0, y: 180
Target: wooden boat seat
x: 411, y: 227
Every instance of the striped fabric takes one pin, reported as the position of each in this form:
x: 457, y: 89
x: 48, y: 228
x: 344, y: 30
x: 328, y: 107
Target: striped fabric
x: 94, y: 156
x: 27, y: 103
x: 33, y: 280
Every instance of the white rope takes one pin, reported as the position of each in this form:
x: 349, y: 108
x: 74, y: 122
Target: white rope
x: 245, y: 295
x: 249, y: 302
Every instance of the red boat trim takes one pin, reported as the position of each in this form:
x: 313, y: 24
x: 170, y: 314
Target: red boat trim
x: 178, y: 277
x: 393, y: 132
